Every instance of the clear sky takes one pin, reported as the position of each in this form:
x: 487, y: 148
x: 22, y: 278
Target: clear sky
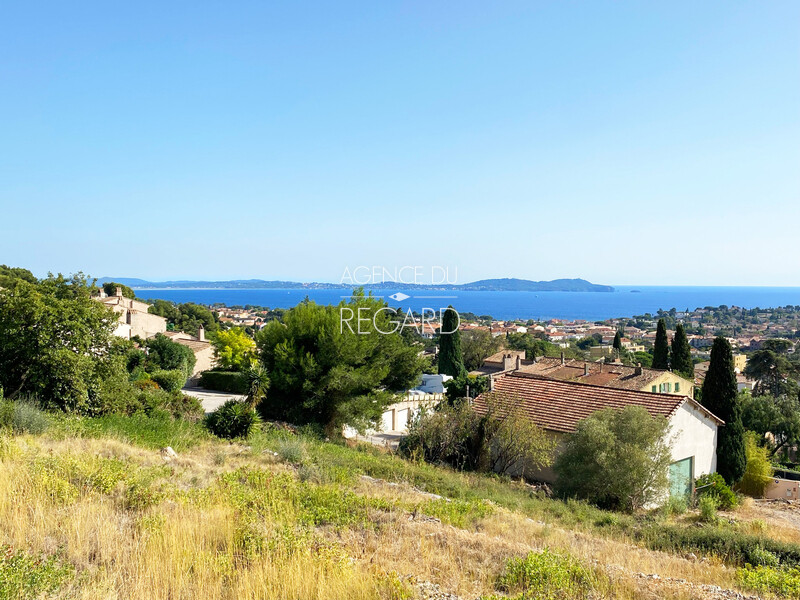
x: 623, y: 142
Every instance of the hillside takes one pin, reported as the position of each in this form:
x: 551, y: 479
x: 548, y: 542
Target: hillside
x: 93, y: 509
x: 484, y: 285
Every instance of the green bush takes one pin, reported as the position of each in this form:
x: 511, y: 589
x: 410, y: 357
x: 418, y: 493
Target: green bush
x: 171, y: 380
x: 22, y: 417
x: 731, y: 546
x: 26, y: 576
x: 714, y: 486
x: 616, y: 459
x: 547, y: 575
x: 231, y: 420
x: 783, y: 582
x: 224, y: 381
x: 708, y: 509
x: 758, y: 470
x: 291, y: 450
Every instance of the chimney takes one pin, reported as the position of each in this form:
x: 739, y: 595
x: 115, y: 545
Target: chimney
x: 585, y: 368
x: 491, y: 383
x: 102, y: 293
x: 201, y: 333
x: 508, y: 362
x: 563, y: 361
x: 118, y: 292
x: 638, y: 370
x: 519, y: 362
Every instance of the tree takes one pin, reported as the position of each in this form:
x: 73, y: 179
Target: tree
x: 456, y: 388
x: 110, y: 288
x: 54, y: 342
x: 478, y: 345
x: 532, y: 345
x: 721, y: 398
x: 331, y: 371
x: 451, y: 357
x: 681, y: 354
x: 163, y: 353
x: 758, y: 471
x: 777, y: 420
x: 661, y: 347
x: 617, y: 342
x: 234, y: 349
x: 7, y: 272
x: 772, y: 372
x: 616, y: 459
x: 257, y: 384
x: 497, y: 439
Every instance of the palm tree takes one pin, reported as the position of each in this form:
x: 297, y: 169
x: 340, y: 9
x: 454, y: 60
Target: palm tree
x: 257, y: 384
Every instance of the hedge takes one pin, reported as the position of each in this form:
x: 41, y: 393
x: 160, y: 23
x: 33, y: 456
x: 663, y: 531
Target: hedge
x: 224, y: 381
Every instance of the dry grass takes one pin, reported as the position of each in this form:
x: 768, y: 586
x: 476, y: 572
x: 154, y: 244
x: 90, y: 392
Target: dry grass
x: 132, y: 527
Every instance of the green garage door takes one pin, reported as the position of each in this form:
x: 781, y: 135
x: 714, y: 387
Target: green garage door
x: 680, y: 478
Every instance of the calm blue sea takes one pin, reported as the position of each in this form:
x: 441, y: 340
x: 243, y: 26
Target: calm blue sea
x: 592, y: 306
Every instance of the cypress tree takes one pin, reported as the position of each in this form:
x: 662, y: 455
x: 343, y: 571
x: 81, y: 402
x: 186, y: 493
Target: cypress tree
x: 451, y: 358
x: 721, y: 398
x: 661, y: 349
x: 681, y: 355
x: 617, y: 342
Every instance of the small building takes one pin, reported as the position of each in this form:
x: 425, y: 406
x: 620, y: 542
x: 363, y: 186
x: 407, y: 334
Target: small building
x: 203, y: 350
x: 558, y: 406
x: 134, y: 320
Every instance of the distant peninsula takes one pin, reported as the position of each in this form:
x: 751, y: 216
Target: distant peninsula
x: 484, y: 285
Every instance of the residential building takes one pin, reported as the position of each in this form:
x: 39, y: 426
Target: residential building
x: 203, y: 350
x: 133, y: 320
x: 558, y: 406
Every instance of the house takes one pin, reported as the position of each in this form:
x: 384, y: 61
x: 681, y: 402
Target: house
x: 203, y: 350
x: 558, y: 406
x: 614, y: 375
x: 134, y: 320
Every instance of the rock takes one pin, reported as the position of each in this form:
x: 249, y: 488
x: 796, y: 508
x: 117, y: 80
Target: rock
x: 168, y: 454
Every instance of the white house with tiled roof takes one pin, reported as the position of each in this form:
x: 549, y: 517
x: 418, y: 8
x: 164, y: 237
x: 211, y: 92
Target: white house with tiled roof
x: 558, y: 406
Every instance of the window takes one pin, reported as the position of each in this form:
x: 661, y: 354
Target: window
x: 653, y: 389
x: 677, y: 386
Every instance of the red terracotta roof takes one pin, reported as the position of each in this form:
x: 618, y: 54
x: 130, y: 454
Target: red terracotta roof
x: 559, y: 405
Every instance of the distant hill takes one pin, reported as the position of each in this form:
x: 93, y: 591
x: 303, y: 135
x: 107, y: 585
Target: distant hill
x: 484, y: 285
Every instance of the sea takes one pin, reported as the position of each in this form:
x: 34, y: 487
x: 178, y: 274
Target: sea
x: 625, y: 301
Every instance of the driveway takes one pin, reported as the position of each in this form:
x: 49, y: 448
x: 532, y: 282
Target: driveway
x: 210, y: 399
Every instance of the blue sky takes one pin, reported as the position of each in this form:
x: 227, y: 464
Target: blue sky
x: 623, y: 142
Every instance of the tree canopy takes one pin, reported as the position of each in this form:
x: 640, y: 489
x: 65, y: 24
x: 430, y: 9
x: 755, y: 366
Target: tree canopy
x: 616, y: 459
x: 720, y: 396
x: 661, y: 347
x: 681, y: 354
x: 451, y: 357
x: 110, y: 288
x: 327, y: 371
x: 478, y: 345
x: 54, y: 341
x: 234, y: 349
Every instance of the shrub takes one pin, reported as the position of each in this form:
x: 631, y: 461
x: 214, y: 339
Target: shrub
x: 547, y: 575
x: 291, y: 450
x: 165, y: 354
x: 22, y: 417
x: 26, y: 576
x: 675, y: 506
x: 492, y: 437
x: 224, y: 381
x: 731, y: 546
x: 708, y: 509
x: 758, y: 470
x: 170, y: 380
x: 616, y: 459
x: 714, y: 486
x: 232, y: 419
x: 783, y: 582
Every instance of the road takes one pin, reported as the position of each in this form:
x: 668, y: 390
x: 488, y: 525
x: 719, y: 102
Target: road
x: 210, y: 399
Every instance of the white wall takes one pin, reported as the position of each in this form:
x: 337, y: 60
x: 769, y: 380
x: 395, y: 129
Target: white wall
x: 695, y: 435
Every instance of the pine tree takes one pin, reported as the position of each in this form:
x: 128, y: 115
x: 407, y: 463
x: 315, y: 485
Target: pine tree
x: 721, y: 398
x: 661, y: 349
x: 681, y: 355
x: 451, y: 358
x: 617, y: 342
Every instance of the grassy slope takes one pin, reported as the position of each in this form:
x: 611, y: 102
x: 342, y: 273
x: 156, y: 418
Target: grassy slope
x: 91, y: 510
